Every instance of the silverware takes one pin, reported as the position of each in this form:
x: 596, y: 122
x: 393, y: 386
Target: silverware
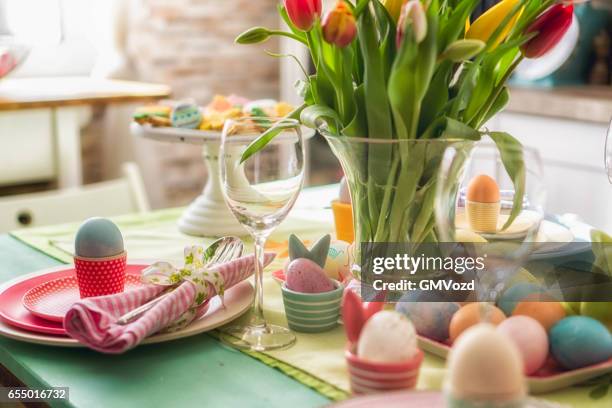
x: 219, y: 252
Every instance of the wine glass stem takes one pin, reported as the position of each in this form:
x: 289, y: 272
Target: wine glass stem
x: 258, y: 316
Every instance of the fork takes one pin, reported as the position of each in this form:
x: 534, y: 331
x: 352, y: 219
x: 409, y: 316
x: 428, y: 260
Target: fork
x: 219, y: 252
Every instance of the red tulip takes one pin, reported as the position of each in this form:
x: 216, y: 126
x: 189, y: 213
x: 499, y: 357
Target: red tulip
x: 550, y: 27
x: 303, y: 13
x: 339, y: 25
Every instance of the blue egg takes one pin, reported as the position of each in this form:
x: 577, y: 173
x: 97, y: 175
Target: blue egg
x: 430, y: 319
x: 580, y: 341
x: 514, y: 294
x: 98, y: 238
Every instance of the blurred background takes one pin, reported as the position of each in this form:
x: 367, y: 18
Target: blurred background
x: 560, y: 105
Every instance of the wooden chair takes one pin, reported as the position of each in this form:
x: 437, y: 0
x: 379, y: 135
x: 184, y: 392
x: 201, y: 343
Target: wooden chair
x: 106, y: 199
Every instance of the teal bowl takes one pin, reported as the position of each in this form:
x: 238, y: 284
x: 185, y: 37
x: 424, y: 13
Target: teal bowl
x: 312, y: 312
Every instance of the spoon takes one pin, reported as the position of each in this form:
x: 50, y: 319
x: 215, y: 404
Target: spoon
x: 219, y: 252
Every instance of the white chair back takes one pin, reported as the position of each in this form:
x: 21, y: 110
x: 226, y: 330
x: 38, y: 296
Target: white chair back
x: 106, y: 199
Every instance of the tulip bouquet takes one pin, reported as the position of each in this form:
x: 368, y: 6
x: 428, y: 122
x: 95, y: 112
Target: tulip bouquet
x: 392, y: 73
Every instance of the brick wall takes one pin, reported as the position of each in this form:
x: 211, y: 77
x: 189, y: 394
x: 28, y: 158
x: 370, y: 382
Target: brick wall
x: 189, y: 44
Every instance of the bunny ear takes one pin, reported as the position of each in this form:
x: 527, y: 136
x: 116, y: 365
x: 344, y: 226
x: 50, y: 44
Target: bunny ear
x: 297, y: 248
x: 352, y: 315
x: 371, y: 308
x: 319, y: 251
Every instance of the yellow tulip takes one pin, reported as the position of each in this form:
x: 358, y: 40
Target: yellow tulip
x: 394, y: 7
x: 485, y: 25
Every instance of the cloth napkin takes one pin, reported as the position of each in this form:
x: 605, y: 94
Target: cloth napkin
x: 92, y: 321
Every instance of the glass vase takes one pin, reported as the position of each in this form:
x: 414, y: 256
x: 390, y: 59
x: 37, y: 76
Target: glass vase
x: 393, y: 185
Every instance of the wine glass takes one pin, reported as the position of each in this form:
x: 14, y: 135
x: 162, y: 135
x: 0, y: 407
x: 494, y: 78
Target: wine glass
x: 507, y: 247
x: 608, y: 152
x: 260, y: 192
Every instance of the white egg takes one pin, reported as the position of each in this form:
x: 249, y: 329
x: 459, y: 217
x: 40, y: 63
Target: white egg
x: 485, y: 366
x: 387, y: 337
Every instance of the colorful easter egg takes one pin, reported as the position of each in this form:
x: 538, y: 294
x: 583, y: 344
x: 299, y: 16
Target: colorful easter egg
x: 186, y: 115
x: 546, y: 313
x: 98, y: 238
x: 337, y: 262
x: 305, y: 276
x: 530, y: 338
x: 580, y: 341
x: 514, y: 294
x: 430, y: 319
x: 473, y: 314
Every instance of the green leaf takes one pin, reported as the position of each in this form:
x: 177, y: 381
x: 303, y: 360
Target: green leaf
x: 511, y: 152
x: 599, y: 392
x: 451, y: 129
x: 267, y: 136
x: 297, y: 249
x: 436, y: 97
x: 500, y: 103
x: 359, y: 125
x: 316, y: 116
x: 455, y: 25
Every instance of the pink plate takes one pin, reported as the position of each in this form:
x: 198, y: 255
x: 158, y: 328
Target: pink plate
x: 548, y: 378
x: 14, y: 313
x: 52, y: 300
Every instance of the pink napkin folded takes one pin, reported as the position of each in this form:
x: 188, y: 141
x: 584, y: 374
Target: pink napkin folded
x: 92, y: 321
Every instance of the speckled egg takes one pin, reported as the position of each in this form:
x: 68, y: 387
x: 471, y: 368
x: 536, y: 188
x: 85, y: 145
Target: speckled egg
x: 98, y: 238
x: 337, y: 262
x: 514, y: 294
x: 387, y: 337
x: 430, y: 319
x: 484, y: 369
x: 473, y: 314
x: 580, y: 341
x: 546, y: 313
x: 305, y: 276
x: 530, y: 338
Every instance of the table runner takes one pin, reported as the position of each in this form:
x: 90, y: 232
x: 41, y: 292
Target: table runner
x: 317, y: 360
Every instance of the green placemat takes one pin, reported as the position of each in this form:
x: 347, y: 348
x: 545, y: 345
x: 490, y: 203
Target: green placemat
x: 316, y: 360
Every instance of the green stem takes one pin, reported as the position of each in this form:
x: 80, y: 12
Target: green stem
x: 288, y: 35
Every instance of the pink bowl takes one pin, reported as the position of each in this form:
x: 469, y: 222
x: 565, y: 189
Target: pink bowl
x: 369, y: 377
x: 100, y: 276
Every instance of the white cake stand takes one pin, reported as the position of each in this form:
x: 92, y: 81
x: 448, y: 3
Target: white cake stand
x: 208, y: 215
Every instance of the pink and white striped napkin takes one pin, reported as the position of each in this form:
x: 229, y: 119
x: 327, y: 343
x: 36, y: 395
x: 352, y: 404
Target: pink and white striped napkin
x: 92, y: 321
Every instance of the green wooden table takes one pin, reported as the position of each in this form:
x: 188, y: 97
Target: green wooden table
x: 197, y: 371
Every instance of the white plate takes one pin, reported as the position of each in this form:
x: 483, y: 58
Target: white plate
x: 238, y: 300
x: 192, y: 136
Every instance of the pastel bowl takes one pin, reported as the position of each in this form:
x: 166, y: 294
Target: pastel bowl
x: 368, y: 377
x: 312, y: 312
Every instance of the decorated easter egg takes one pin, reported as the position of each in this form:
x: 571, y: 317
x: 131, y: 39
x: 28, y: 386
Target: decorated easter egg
x: 483, y: 189
x: 484, y: 369
x: 514, y: 294
x: 344, y: 195
x: 186, y: 115
x: 530, y: 338
x: 546, y: 313
x: 98, y: 238
x: 337, y: 262
x: 473, y: 314
x: 387, y: 336
x: 305, y: 276
x: 580, y: 341
x: 430, y: 319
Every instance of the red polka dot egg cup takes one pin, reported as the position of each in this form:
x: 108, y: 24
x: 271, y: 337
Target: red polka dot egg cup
x: 100, y: 276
